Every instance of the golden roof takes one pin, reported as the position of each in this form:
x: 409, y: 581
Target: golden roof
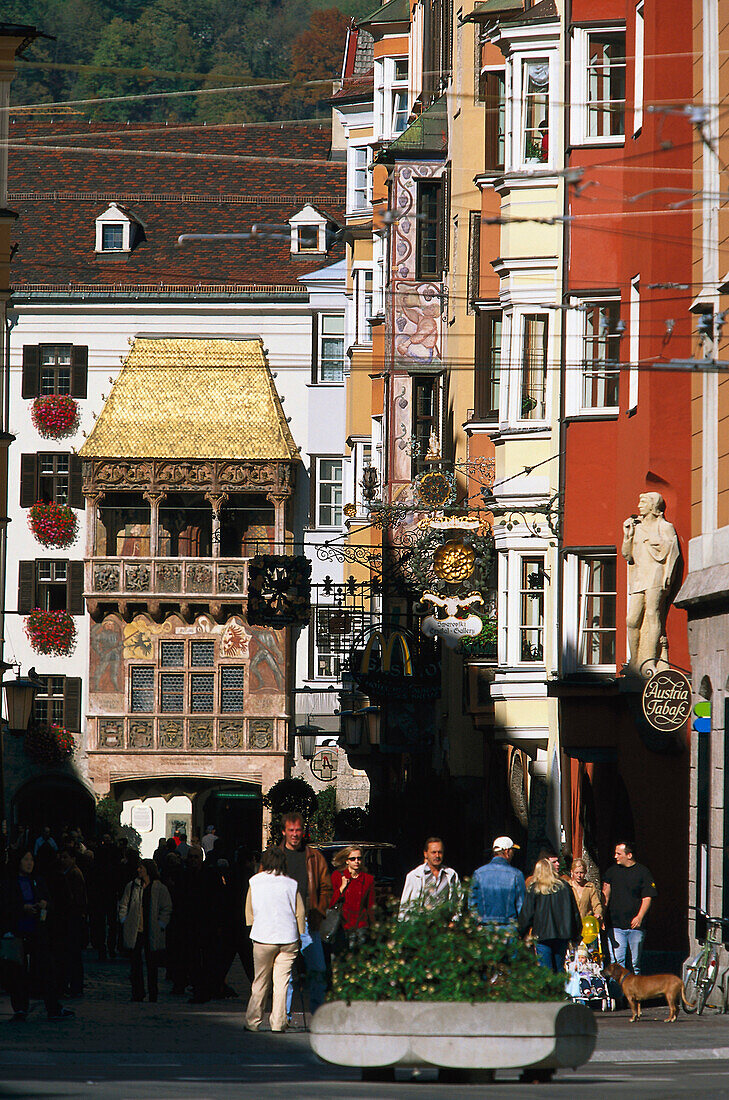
x: 192, y: 398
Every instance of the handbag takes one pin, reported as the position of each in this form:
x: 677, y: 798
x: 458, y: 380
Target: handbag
x: 332, y: 922
x: 12, y: 950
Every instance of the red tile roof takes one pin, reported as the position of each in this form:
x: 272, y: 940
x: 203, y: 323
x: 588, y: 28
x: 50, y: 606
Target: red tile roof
x: 173, y: 180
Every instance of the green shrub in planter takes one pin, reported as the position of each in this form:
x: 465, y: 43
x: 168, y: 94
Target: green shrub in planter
x: 433, y: 957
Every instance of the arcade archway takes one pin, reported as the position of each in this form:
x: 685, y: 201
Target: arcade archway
x: 56, y: 800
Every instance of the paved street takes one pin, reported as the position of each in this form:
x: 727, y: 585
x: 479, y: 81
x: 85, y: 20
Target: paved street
x: 116, y: 1050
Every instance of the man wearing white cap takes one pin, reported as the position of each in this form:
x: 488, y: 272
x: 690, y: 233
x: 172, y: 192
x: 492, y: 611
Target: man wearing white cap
x: 497, y: 888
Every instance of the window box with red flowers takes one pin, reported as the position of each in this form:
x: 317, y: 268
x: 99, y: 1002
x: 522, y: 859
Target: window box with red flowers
x: 52, y: 633
x: 55, y: 415
x: 53, y: 524
x: 49, y: 744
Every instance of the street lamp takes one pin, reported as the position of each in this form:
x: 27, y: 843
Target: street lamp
x: 19, y: 696
x: 307, y: 735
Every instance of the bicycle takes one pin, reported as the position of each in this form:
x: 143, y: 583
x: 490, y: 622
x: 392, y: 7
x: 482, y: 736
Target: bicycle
x: 702, y: 970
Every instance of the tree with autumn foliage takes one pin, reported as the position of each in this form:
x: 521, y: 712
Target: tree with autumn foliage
x: 316, y: 54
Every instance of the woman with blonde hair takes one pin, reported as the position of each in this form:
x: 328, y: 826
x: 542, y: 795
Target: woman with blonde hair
x: 354, y: 890
x: 550, y: 912
x: 586, y: 895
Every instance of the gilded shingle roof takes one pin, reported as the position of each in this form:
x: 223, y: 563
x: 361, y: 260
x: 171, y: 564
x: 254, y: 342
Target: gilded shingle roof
x: 192, y: 398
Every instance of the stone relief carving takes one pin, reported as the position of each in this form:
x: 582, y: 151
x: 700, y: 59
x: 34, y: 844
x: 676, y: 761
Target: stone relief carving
x: 199, y: 578
x: 168, y: 578
x: 231, y: 579
x: 261, y: 733
x: 213, y: 475
x: 650, y: 546
x: 231, y: 735
x: 136, y: 578
x: 111, y: 733
x: 140, y: 734
x: 170, y: 734
x: 106, y: 578
x: 201, y: 735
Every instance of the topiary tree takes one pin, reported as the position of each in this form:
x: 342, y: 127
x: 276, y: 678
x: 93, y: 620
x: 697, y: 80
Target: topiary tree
x: 322, y: 824
x: 353, y: 824
x: 285, y: 796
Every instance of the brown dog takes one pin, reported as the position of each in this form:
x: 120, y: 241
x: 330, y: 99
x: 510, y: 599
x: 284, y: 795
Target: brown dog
x: 640, y: 987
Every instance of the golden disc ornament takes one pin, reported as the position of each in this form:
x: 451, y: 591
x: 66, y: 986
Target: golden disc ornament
x: 454, y: 562
x: 434, y: 489
x: 350, y: 510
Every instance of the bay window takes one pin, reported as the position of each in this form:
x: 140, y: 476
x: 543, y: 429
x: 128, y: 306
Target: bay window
x: 533, y: 396
x: 535, y: 111
x: 600, y: 355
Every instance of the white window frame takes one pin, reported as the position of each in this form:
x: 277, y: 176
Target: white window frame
x: 575, y: 610
x: 320, y: 504
x: 355, y: 152
x: 634, y: 344
x: 639, y: 68
x: 388, y: 90
x: 364, y: 307
x: 525, y: 64
x: 579, y: 110
x: 308, y: 218
x: 509, y: 616
x: 514, y: 367
x: 363, y: 454
x: 576, y: 322
x: 113, y: 216
x: 320, y: 357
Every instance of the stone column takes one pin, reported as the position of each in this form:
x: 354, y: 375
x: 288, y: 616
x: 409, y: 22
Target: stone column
x: 217, y: 500
x: 279, y: 503
x: 93, y: 501
x: 155, y: 499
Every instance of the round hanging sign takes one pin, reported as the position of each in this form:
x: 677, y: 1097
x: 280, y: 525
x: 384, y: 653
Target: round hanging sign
x: 667, y: 700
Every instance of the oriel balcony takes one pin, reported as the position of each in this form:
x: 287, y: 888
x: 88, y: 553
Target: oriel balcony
x: 181, y: 551
x: 159, y: 585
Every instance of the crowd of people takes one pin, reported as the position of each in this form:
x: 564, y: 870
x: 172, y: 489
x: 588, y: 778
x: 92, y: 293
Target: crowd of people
x: 195, y: 906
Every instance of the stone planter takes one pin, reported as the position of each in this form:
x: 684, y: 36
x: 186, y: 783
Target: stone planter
x: 470, y: 1040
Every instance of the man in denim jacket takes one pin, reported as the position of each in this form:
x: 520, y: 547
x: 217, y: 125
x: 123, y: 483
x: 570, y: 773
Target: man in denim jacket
x: 497, y: 888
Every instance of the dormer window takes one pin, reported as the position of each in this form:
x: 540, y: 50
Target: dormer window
x: 309, y: 238
x: 112, y: 238
x: 117, y: 231
x: 310, y: 231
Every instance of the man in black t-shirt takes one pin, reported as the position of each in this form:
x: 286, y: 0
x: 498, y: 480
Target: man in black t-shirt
x: 628, y: 889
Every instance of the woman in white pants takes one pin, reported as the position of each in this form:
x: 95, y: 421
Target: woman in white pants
x: 275, y: 911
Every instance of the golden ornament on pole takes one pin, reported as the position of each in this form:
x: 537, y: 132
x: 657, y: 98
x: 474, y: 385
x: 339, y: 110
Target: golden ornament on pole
x: 454, y: 562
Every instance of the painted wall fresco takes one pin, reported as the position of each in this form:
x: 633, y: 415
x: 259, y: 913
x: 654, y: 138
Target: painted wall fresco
x: 417, y: 322
x: 116, y: 645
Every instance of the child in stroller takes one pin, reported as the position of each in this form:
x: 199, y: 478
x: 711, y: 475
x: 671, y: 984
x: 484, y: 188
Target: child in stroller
x: 586, y: 983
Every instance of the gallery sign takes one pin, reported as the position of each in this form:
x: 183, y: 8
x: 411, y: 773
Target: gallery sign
x: 667, y: 700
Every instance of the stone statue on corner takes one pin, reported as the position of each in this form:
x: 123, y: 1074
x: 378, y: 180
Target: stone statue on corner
x: 650, y: 546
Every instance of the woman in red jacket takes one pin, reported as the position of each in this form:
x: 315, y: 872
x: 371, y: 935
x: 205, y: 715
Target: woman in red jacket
x: 355, y: 889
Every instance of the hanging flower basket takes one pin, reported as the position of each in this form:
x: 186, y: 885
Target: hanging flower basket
x: 49, y: 744
x: 55, y: 415
x: 53, y: 524
x: 52, y: 633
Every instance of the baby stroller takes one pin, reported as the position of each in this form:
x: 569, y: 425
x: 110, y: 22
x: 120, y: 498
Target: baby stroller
x: 585, y: 983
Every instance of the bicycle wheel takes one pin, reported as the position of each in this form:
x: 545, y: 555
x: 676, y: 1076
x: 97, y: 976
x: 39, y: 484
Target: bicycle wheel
x: 691, y: 988
x: 705, y: 989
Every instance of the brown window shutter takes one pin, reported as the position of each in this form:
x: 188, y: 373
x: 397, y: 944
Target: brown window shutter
x: 31, y: 370
x: 26, y: 587
x: 75, y: 588
x: 76, y: 498
x: 72, y: 703
x: 79, y: 371
x: 28, y: 480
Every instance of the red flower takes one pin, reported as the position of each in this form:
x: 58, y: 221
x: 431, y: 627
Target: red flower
x: 49, y: 744
x: 52, y: 633
x: 53, y: 524
x: 55, y: 415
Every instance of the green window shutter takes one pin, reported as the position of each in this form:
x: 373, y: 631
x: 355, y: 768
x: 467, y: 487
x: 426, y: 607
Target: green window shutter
x: 28, y: 480
x: 79, y: 371
x: 72, y: 703
x: 75, y: 588
x: 26, y: 587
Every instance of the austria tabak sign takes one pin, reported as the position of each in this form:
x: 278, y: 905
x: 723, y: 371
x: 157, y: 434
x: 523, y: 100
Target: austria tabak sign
x: 667, y: 700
